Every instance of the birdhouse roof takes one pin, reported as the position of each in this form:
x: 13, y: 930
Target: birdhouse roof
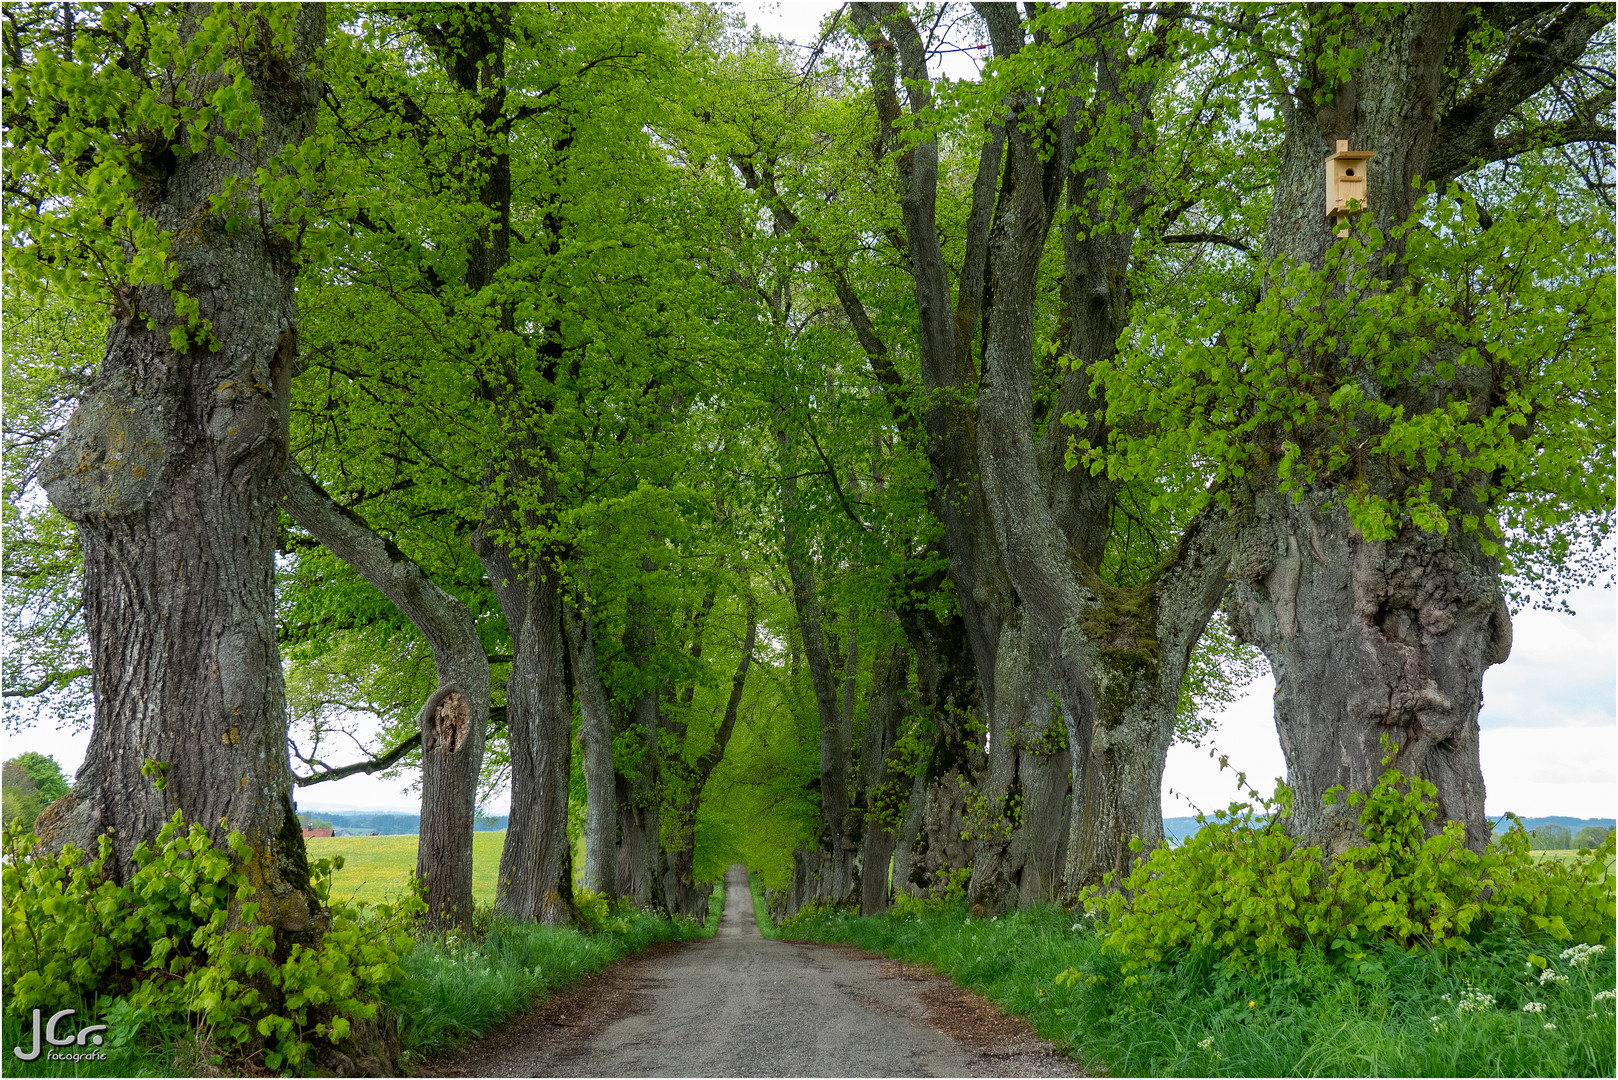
x: 1345, y: 154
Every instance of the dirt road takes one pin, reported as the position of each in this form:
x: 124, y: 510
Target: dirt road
x: 738, y: 1005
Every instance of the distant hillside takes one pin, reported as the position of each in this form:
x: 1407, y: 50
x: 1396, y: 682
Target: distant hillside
x: 1178, y: 828
x: 390, y: 823
x: 1573, y: 824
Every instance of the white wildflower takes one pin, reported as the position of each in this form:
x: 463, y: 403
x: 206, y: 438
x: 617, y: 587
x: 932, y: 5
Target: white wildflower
x: 1206, y: 1044
x: 1549, y: 976
x: 1550, y: 1027
x: 1607, y: 995
x: 1534, y: 1007
x: 1446, y: 997
x: 1474, y: 1001
x: 1580, y: 955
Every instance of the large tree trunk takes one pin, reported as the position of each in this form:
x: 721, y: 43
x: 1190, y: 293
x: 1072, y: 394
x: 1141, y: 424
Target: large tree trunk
x: 1389, y: 637
x: 595, y: 741
x: 535, y: 878
x: 170, y: 467
x: 883, y: 712
x: 950, y: 694
x: 1371, y: 639
x: 638, y: 793
x: 453, y: 722
x: 1017, y: 824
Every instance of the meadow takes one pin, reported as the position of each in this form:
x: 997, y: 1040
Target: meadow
x: 377, y: 868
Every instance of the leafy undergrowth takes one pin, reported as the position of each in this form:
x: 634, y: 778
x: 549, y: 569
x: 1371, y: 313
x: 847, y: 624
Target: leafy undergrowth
x: 459, y: 987
x: 1244, y: 953
x: 170, y: 974
x: 1427, y: 1013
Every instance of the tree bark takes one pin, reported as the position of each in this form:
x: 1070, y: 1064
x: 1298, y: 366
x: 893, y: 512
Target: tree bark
x: 535, y: 878
x: 883, y: 713
x: 1384, y: 638
x: 170, y: 467
x: 595, y: 740
x: 454, y: 720
x: 1370, y: 639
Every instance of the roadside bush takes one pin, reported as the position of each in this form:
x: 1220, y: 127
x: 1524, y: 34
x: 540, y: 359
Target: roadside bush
x: 596, y: 913
x: 181, y: 943
x: 1239, y: 891
x: 948, y: 895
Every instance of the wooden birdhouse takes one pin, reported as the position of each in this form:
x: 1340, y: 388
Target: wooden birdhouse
x: 1345, y: 184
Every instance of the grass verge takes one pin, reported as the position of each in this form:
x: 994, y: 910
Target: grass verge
x: 1389, y: 1013
x: 761, y: 910
x: 459, y: 987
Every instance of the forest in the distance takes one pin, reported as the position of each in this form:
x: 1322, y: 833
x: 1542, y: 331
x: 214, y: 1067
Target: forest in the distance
x: 819, y: 463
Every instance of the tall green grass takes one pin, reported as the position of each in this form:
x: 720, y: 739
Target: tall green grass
x: 761, y: 910
x: 1388, y: 1013
x: 377, y: 869
x: 459, y: 987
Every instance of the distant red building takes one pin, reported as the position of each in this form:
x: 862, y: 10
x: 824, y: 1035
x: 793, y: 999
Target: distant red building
x: 307, y: 833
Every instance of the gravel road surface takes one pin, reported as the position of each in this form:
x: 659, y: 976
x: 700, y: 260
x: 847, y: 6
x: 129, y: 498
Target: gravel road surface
x: 738, y: 1005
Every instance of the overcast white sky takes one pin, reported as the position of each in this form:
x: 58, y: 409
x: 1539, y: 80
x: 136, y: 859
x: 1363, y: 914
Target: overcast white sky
x: 1549, y: 719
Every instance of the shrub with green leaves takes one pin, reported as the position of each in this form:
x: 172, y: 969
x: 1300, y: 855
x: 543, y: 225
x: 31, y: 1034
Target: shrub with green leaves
x: 1241, y: 889
x: 182, y: 941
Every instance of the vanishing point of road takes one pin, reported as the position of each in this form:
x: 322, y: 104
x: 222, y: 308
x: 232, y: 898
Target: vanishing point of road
x: 738, y: 1005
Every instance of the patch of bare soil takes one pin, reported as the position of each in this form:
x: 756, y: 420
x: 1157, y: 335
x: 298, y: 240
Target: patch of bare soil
x: 1005, y: 1045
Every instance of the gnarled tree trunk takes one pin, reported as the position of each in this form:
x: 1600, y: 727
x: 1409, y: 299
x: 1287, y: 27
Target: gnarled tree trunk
x: 1388, y: 637
x: 1371, y: 639
x: 171, y: 467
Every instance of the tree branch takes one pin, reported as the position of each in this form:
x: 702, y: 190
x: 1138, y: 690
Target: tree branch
x: 53, y: 679
x: 1466, y: 131
x: 1208, y: 238
x: 497, y: 716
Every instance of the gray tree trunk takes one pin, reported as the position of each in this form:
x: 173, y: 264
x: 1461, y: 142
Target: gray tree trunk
x: 883, y: 713
x: 454, y: 721
x: 170, y: 467
x: 535, y: 878
x: 595, y: 739
x: 1373, y: 638
x: 1367, y: 639
x: 1106, y: 646
x: 1017, y: 826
